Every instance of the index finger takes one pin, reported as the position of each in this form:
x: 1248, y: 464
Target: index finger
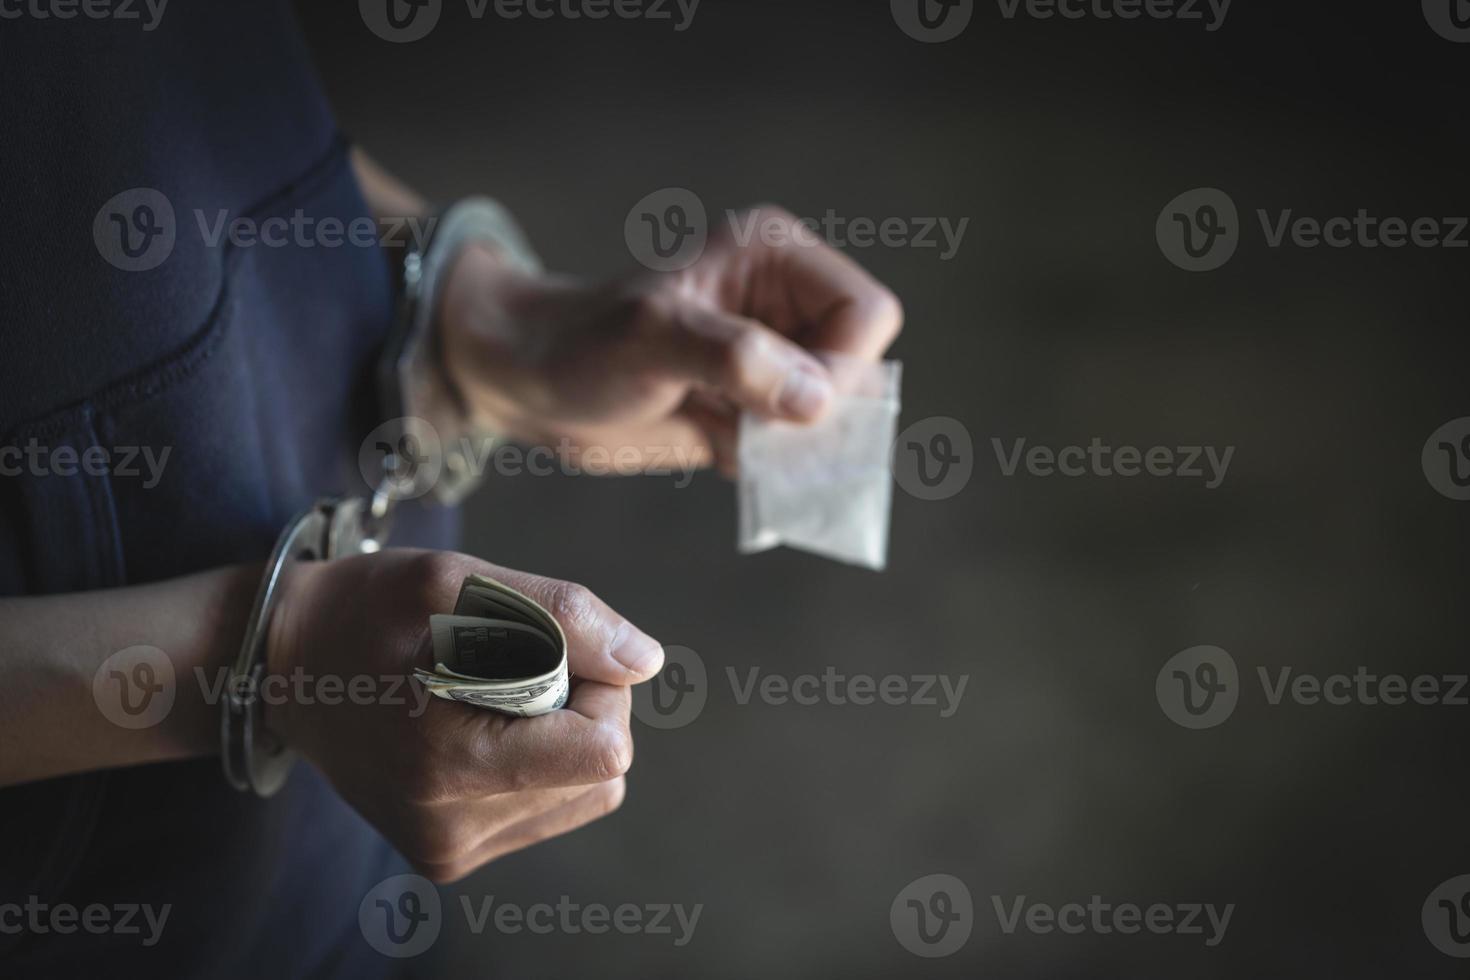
x: 845, y: 308
x: 601, y: 644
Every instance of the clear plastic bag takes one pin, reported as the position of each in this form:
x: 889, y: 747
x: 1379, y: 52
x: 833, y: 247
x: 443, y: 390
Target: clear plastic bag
x: 825, y: 488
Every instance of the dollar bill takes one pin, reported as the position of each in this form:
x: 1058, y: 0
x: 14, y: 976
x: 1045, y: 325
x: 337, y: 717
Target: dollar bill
x: 500, y: 650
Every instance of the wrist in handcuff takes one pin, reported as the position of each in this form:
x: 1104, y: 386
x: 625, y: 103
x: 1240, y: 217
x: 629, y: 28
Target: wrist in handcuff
x: 255, y: 752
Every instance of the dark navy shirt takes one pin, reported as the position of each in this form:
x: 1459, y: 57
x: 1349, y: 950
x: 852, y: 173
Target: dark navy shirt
x: 252, y: 367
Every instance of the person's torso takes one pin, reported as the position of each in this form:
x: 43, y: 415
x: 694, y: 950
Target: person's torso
x: 177, y: 312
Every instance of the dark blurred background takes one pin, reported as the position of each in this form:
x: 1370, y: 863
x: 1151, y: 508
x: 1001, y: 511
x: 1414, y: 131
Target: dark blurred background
x: 1059, y: 320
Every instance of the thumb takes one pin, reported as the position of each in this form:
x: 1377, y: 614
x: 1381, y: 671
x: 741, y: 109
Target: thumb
x: 748, y: 362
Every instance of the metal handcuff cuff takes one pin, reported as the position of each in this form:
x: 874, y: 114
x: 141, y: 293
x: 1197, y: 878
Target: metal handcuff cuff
x: 426, y: 445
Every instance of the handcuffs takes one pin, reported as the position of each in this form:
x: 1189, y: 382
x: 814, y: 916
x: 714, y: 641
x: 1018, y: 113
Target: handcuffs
x: 417, y: 401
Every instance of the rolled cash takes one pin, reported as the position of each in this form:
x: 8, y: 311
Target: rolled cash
x: 498, y: 650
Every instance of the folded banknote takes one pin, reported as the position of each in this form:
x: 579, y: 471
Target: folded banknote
x: 498, y: 650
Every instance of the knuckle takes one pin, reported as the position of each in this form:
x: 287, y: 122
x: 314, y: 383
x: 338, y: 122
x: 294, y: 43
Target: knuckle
x: 515, y: 777
x: 610, y: 754
x: 742, y: 355
x: 571, y: 602
x: 438, y: 575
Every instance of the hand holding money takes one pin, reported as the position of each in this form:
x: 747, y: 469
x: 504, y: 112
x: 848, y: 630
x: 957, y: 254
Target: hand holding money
x: 450, y: 785
x: 500, y: 650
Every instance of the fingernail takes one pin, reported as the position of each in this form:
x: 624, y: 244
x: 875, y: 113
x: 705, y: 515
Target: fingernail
x: 638, y: 651
x: 805, y: 393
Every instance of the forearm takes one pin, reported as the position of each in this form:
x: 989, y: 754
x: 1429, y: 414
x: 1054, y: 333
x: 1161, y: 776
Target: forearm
x: 386, y: 195
x: 53, y: 722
